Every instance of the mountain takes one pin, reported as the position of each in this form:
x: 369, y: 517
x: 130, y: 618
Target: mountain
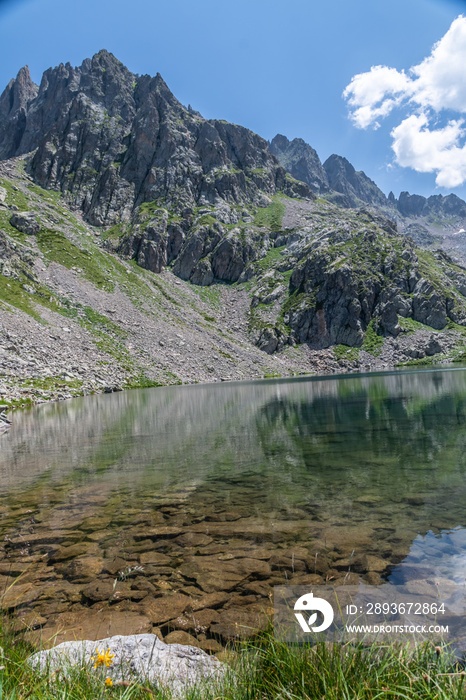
x: 415, y: 205
x: 301, y: 161
x: 142, y: 244
x: 432, y: 221
x: 336, y: 178
x: 357, y: 189
x: 110, y: 140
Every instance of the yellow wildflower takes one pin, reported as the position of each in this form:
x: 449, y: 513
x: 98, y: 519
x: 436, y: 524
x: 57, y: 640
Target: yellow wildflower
x: 108, y: 681
x: 102, y: 658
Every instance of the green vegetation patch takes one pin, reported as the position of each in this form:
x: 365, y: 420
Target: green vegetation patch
x: 140, y: 381
x: 451, y: 325
x: 272, y: 256
x: 13, y: 232
x: 410, y: 325
x: 91, y: 319
x: 50, y: 195
x: 55, y: 246
x: 114, y: 232
x: 429, y: 267
x: 420, y: 361
x: 148, y: 209
x: 14, y: 195
x: 209, y: 295
x: 344, y: 352
x: 14, y: 293
x: 271, y: 217
x: 373, y: 343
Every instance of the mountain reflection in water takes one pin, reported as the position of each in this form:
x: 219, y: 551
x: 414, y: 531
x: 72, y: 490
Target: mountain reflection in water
x: 297, y: 480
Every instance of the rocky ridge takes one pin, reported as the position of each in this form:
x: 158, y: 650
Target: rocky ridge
x: 350, y: 279
x: 111, y: 141
x: 435, y: 221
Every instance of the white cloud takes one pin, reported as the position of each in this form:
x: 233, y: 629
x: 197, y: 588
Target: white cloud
x: 437, y: 84
x: 374, y: 94
x: 440, y: 80
x: 431, y: 150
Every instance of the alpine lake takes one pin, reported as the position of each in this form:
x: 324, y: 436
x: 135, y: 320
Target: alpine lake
x: 178, y: 509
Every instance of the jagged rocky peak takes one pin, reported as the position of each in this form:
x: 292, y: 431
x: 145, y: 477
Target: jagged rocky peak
x: 354, y: 185
x: 111, y: 140
x: 14, y: 104
x: 336, y: 178
x: 18, y: 93
x: 415, y: 205
x: 301, y: 161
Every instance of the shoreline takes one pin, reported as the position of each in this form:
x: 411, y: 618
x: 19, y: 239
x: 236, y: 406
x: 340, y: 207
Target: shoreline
x: 35, y: 396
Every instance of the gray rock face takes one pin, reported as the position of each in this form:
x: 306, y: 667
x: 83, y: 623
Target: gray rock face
x: 147, y: 241
x: 429, y: 305
x: 141, y: 657
x: 355, y: 270
x: 415, y: 205
x: 355, y: 186
x: 110, y: 140
x: 301, y: 161
x: 411, y: 204
x: 15, y: 261
x: 26, y: 222
x: 14, y: 105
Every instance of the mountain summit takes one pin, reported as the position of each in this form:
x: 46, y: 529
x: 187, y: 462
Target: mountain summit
x: 110, y: 140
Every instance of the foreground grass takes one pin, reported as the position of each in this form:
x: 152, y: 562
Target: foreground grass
x: 263, y: 669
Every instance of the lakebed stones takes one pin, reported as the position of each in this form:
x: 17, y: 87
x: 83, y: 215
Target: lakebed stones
x: 161, y: 610
x: 212, y: 574
x: 171, y: 574
x: 85, y: 623
x: 141, y: 657
x: 242, y: 623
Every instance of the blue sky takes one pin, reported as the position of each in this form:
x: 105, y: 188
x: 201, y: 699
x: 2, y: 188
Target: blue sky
x: 276, y: 67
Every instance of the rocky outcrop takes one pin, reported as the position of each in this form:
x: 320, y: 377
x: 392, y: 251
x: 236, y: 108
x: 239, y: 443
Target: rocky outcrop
x: 411, y: 204
x: 14, y: 106
x: 26, y: 222
x: 353, y: 276
x: 355, y: 186
x: 301, y: 161
x: 16, y: 261
x: 147, y: 241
